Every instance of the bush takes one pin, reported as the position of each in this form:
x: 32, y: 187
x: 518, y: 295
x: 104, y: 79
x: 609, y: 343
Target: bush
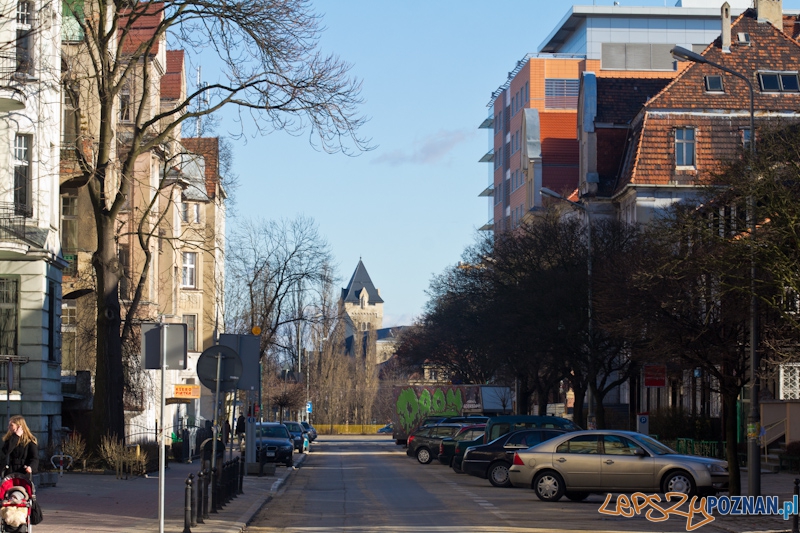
x: 130, y: 459
x: 673, y: 424
x: 75, y: 447
x: 793, y: 448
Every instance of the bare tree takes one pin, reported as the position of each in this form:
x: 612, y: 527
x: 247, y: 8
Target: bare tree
x: 268, y: 65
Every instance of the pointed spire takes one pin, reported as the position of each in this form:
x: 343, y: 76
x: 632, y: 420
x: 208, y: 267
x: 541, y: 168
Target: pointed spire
x: 360, y: 280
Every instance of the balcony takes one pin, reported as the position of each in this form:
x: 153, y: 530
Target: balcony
x: 12, y: 97
x: 17, y: 226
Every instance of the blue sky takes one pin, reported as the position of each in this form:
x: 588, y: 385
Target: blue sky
x: 410, y: 207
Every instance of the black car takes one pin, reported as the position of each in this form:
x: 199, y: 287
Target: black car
x: 447, y: 447
x: 424, y: 442
x: 493, y: 460
x: 299, y: 435
x: 312, y: 433
x: 274, y: 443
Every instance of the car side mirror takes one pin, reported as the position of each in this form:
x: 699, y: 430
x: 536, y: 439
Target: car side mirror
x: 639, y: 452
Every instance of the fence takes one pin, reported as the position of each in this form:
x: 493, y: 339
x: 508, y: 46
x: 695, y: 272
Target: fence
x: 348, y: 429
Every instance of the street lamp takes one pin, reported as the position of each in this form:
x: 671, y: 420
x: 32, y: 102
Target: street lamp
x: 754, y: 419
x: 591, y: 423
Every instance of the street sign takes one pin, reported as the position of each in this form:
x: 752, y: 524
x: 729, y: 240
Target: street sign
x: 655, y: 375
x: 230, y: 368
x: 174, y: 349
x: 248, y: 347
x: 191, y: 392
x: 308, y: 407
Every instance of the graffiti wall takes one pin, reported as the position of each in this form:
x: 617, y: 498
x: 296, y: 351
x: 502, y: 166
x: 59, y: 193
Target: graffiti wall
x: 414, y: 403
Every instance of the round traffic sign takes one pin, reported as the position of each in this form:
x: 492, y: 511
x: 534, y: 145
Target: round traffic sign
x: 230, y: 368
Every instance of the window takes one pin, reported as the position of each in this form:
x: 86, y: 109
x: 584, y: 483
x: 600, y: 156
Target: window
x: 191, y: 332
x: 125, y: 103
x: 714, y: 84
x: 684, y: 147
x: 124, y: 255
x: 637, y: 56
x: 8, y: 316
x: 746, y: 138
x: 24, y: 44
x: 69, y: 331
x: 69, y: 232
x: 585, y: 444
x: 779, y: 82
x: 71, y: 116
x: 561, y: 93
x: 615, y: 445
x: 22, y: 175
x: 189, y: 277
x: 184, y: 212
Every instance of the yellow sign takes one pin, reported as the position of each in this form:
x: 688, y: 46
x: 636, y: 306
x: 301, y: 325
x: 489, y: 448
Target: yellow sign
x: 256, y: 330
x: 187, y: 391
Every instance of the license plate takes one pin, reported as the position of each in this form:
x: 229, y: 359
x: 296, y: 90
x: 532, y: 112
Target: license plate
x: 270, y: 454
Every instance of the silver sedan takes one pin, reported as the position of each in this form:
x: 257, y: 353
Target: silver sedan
x: 582, y: 462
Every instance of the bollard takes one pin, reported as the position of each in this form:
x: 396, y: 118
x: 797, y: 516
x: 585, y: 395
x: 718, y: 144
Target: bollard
x: 187, y: 506
x: 197, y: 512
x: 206, y: 481
x: 241, y: 474
x: 214, y: 490
x: 795, y: 528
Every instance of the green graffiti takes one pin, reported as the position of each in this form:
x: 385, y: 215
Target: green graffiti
x: 454, y: 402
x: 438, y: 405
x: 413, y: 407
x: 425, y: 402
x: 407, y: 408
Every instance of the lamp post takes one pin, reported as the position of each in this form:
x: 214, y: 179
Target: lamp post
x: 591, y: 423
x: 754, y: 418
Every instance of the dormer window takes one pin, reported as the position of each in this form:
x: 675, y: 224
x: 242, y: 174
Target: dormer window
x: 714, y: 84
x: 744, y: 38
x: 778, y: 82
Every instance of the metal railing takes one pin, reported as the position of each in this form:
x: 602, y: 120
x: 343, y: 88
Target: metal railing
x: 16, y: 225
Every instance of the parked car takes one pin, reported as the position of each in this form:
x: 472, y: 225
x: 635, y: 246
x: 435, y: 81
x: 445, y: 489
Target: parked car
x: 299, y: 435
x: 274, y: 443
x: 493, y: 460
x: 447, y: 448
x: 500, y: 425
x: 423, y: 442
x: 312, y: 433
x: 579, y: 463
x: 388, y: 428
x: 461, y: 448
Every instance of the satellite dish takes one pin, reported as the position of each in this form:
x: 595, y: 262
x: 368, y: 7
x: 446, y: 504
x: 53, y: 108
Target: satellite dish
x: 230, y: 368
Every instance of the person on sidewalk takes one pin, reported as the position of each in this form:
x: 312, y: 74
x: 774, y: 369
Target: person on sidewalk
x: 240, y: 428
x: 20, y: 450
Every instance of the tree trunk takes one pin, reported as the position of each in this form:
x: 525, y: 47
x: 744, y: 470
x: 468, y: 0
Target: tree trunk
x: 108, y: 409
x: 577, y: 407
x: 599, y: 410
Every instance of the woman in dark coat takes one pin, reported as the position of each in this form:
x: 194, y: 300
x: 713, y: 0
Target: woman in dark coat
x: 20, y: 449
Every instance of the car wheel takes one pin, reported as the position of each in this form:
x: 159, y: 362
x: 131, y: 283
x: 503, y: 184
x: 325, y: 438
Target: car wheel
x: 498, y: 474
x: 549, y: 486
x: 576, y: 496
x: 679, y: 481
x: 456, y: 466
x: 289, y: 463
x: 424, y: 456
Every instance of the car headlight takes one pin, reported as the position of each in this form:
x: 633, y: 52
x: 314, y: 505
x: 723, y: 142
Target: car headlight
x: 717, y: 468
x: 286, y: 448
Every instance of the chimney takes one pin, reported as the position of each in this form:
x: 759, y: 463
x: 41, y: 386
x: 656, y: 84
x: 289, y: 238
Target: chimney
x: 726, y: 27
x: 770, y: 11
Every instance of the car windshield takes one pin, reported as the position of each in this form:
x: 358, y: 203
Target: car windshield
x: 274, y: 432
x: 293, y: 426
x: 654, y: 446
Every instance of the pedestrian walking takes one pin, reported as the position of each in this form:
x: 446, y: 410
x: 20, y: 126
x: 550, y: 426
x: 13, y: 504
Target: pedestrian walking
x: 240, y: 429
x: 20, y: 449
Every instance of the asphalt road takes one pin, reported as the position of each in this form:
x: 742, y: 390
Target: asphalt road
x: 368, y: 485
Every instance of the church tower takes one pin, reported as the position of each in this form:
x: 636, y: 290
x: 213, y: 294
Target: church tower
x: 361, y: 302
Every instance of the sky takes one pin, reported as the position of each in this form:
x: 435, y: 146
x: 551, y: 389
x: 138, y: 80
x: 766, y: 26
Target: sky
x: 410, y: 207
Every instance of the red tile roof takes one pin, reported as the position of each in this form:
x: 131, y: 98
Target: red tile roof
x: 717, y: 118
x: 173, y: 79
x: 208, y: 147
x: 144, y: 23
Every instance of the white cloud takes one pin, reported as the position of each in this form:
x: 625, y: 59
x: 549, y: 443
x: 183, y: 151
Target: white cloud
x: 432, y: 149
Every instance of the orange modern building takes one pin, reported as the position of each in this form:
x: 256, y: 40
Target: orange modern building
x: 533, y: 115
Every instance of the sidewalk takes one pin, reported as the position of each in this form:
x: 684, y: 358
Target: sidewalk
x: 102, y: 503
